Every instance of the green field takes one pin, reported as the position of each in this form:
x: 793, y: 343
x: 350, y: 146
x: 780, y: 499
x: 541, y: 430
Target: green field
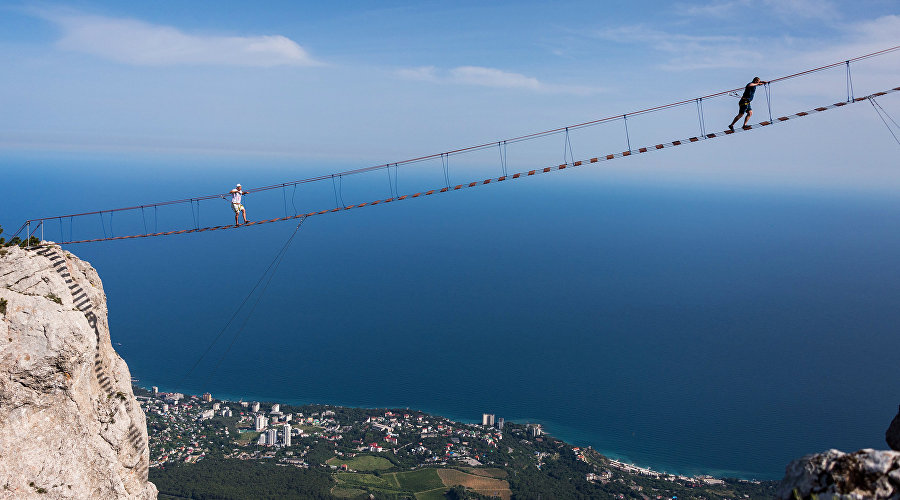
x: 423, y: 483
x: 437, y: 494
x: 362, y: 463
x: 350, y: 480
x: 342, y: 492
x: 419, y: 480
x: 248, y: 437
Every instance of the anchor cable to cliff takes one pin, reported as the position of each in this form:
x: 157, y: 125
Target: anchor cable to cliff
x: 266, y: 276
x: 882, y: 113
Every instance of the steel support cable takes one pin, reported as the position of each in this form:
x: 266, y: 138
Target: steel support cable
x: 334, y: 188
x: 393, y: 188
x: 396, y: 184
x: 279, y: 257
x: 505, y: 158
x: 567, y: 150
x: 196, y: 216
x: 627, y: 137
x: 241, y: 306
x: 875, y: 105
x: 30, y: 233
x: 445, y: 164
x: 700, y: 116
x: 849, y: 83
x: 486, y: 145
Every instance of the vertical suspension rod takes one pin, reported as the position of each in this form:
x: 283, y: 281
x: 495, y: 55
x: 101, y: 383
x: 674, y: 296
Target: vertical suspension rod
x: 849, y: 83
x: 700, y: 117
x: 627, y: 137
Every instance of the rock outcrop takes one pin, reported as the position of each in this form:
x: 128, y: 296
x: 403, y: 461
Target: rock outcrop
x: 70, y: 426
x: 892, y: 435
x: 863, y: 474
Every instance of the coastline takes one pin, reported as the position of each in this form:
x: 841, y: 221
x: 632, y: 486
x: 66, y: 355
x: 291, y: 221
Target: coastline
x: 561, y: 432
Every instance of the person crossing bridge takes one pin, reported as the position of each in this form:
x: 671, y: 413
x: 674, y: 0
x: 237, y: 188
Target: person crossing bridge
x: 744, y: 103
x: 236, y: 204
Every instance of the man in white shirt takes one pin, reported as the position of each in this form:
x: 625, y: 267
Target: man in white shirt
x: 236, y: 204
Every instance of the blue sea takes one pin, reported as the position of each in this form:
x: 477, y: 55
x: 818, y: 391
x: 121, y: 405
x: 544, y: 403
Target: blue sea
x: 689, y: 328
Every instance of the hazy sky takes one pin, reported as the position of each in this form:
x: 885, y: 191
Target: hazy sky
x: 361, y: 83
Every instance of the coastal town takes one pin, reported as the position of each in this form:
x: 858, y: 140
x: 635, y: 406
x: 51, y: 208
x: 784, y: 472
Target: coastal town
x: 404, y: 453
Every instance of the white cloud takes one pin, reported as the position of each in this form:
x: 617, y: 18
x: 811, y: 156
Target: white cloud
x: 136, y: 42
x: 857, y: 39
x: 489, y: 77
x: 780, y: 55
x: 878, y: 34
x: 784, y: 10
x: 689, y: 52
x: 423, y: 73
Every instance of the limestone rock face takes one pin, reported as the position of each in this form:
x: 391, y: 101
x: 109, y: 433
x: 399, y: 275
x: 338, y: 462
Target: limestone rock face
x: 70, y: 426
x: 837, y: 475
x: 892, y: 436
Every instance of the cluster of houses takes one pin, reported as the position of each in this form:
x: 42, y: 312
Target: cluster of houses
x: 433, y: 439
x: 460, y: 438
x: 178, y: 439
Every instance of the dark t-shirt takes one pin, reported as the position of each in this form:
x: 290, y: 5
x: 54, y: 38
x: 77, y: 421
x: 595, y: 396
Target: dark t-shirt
x: 749, y: 92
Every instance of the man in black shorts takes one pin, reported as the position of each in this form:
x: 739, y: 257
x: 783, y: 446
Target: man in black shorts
x: 744, y: 103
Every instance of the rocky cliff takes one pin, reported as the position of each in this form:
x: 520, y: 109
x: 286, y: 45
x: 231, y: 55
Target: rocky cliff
x: 70, y: 426
x: 892, y: 434
x: 837, y: 475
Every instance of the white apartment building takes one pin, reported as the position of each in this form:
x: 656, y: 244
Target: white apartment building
x: 286, y: 430
x: 260, y: 423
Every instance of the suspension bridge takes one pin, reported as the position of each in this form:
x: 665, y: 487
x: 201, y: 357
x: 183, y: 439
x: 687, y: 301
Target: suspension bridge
x: 143, y: 220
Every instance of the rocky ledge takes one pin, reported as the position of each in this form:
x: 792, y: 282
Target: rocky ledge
x: 838, y: 475
x: 70, y: 426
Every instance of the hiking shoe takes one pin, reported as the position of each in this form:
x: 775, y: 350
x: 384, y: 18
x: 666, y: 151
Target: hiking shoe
x: 731, y: 128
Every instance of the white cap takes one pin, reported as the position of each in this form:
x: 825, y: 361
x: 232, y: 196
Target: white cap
x: 238, y: 184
